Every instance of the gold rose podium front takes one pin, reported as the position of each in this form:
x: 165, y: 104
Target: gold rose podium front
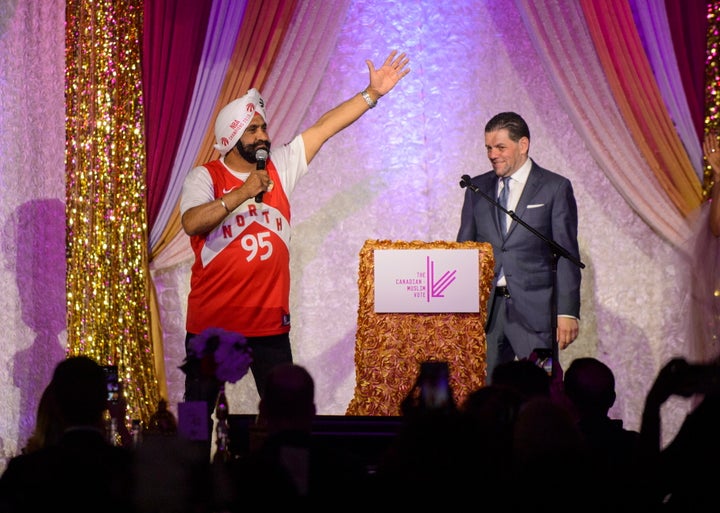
x: 389, y: 347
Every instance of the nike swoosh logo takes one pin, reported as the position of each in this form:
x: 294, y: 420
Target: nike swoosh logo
x: 225, y: 191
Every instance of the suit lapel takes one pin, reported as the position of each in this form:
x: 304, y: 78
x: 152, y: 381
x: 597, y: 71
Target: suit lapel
x: 531, y: 188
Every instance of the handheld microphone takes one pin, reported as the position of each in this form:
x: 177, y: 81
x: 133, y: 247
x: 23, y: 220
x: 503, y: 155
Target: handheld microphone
x: 261, y: 157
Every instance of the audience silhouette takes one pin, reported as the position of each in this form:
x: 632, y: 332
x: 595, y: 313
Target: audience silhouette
x: 288, y: 466
x: 82, y: 471
x: 48, y: 424
x: 491, y: 412
x: 524, y: 376
x: 508, y: 446
x: 435, y: 459
x: 589, y: 385
x: 171, y: 474
x: 681, y: 475
x: 551, y: 470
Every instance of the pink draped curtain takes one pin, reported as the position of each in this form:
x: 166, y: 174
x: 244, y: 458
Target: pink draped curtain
x: 636, y: 92
x: 172, y: 52
x: 688, y: 27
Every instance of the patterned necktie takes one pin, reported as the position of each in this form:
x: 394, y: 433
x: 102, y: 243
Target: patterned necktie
x: 503, y: 200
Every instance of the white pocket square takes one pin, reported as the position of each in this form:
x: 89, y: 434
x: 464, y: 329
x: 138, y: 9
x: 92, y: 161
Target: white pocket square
x: 537, y: 205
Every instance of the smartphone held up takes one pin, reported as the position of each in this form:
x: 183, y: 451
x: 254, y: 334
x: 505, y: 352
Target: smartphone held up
x: 543, y: 358
x: 434, y: 383
x: 112, y: 383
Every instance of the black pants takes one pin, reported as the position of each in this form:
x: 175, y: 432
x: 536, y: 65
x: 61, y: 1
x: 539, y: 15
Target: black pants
x: 267, y: 352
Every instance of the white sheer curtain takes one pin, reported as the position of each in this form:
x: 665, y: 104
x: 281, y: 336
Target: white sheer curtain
x: 32, y: 210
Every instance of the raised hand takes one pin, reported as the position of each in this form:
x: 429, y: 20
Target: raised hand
x: 393, y: 69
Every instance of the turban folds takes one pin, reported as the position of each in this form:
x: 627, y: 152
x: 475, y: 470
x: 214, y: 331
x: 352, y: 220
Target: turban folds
x: 233, y: 119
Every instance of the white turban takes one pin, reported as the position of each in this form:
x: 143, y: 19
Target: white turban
x: 234, y: 118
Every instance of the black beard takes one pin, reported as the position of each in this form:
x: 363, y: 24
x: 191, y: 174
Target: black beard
x: 248, y: 152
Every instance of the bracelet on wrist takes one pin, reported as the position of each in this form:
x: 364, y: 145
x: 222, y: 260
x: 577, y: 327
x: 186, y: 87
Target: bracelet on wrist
x: 368, y: 99
x: 222, y: 202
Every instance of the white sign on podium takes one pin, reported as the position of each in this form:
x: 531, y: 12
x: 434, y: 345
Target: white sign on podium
x: 426, y: 281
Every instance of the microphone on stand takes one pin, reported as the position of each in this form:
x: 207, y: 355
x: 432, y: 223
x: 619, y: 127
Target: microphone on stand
x: 465, y: 182
x: 261, y: 156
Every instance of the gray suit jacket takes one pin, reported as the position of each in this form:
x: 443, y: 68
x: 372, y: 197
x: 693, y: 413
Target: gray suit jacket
x: 548, y: 205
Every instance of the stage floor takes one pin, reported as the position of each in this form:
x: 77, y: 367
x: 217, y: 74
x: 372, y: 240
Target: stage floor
x: 367, y: 437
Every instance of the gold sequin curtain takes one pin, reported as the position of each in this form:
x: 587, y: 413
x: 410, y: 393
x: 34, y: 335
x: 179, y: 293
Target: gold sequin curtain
x: 107, y: 272
x: 712, y: 84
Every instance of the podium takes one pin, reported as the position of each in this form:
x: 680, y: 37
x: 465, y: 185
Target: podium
x: 389, y: 347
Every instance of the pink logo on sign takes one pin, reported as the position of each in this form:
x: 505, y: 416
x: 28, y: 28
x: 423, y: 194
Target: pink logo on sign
x: 438, y: 287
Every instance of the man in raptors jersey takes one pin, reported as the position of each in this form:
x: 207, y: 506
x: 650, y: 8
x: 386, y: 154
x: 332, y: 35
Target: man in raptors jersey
x: 241, y: 275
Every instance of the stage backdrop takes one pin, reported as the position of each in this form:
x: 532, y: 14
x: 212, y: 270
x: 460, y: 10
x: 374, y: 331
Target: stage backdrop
x: 393, y: 175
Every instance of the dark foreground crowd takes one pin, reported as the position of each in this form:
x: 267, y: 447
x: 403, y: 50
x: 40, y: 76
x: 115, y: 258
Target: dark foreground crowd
x: 527, y: 442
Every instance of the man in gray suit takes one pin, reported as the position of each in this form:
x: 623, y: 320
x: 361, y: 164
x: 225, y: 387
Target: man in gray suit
x: 520, y: 306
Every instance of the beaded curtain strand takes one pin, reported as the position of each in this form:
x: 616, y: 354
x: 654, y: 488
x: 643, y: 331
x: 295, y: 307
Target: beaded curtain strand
x: 107, y: 277
x: 712, y: 84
